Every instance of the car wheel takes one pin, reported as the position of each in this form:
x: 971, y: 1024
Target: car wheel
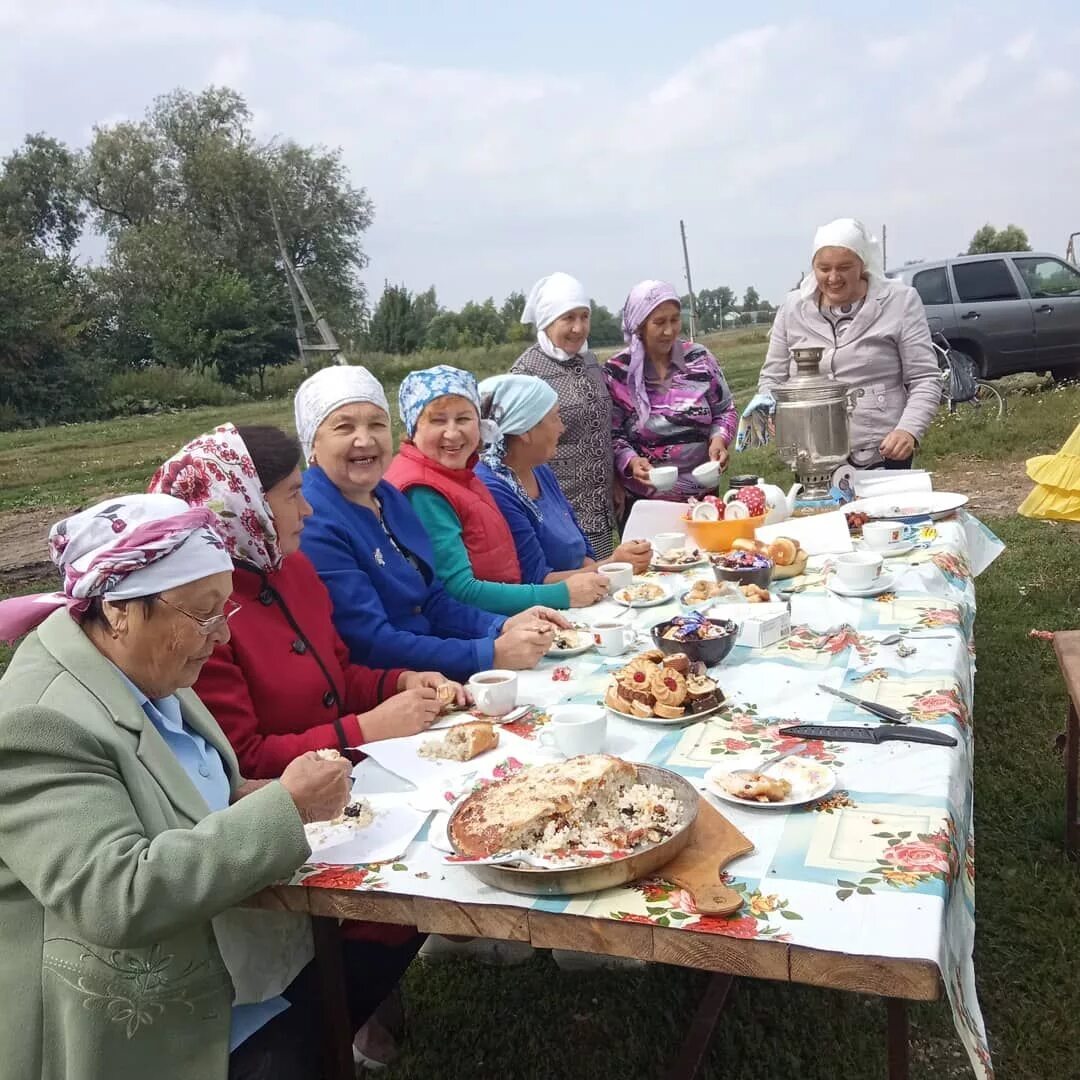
x: 1068, y: 373
x: 976, y: 365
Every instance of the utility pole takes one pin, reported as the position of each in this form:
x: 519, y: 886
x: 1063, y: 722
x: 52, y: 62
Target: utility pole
x: 884, y: 248
x: 689, y: 283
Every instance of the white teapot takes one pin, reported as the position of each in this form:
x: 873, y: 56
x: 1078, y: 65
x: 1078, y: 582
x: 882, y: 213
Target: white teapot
x: 779, y: 507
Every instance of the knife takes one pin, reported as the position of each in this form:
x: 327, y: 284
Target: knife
x: 883, y: 712
x: 878, y: 734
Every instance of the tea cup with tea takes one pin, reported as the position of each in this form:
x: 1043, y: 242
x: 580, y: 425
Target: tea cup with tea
x: 494, y: 691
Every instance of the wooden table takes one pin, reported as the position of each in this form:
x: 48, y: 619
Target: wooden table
x: 1067, y: 647
x: 898, y: 981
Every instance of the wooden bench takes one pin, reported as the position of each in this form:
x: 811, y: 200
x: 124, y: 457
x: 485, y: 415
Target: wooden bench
x: 1067, y: 647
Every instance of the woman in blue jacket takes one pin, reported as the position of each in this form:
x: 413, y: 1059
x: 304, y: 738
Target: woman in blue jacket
x: 371, y: 550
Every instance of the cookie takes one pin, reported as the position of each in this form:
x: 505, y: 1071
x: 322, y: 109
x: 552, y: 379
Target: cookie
x: 679, y: 662
x: 669, y: 712
x: 669, y: 686
x: 638, y: 709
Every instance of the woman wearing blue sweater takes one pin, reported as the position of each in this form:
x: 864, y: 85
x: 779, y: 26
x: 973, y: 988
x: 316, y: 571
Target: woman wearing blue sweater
x: 373, y: 554
x: 549, y: 541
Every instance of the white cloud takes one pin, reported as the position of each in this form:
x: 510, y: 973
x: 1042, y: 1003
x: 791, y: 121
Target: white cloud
x: 484, y: 179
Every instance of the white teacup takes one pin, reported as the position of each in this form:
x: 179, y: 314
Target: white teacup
x: 858, y: 569
x: 495, y: 691
x: 613, y: 638
x: 576, y: 729
x: 708, y: 475
x: 665, y: 542
x: 882, y: 534
x: 620, y: 575
x: 663, y: 477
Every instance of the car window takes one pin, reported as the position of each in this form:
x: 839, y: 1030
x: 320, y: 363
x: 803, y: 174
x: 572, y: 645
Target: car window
x: 1049, y: 277
x: 932, y: 286
x: 979, y: 282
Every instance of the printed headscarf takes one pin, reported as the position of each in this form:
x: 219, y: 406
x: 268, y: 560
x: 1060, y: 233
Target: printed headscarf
x: 549, y: 298
x: 420, y: 388
x: 514, y: 404
x: 851, y: 234
x: 644, y: 299
x: 216, y: 471
x: 121, y: 549
x: 329, y: 389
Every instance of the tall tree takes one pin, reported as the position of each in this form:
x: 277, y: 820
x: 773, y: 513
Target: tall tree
x: 40, y: 199
x: 394, y: 327
x: 751, y: 300
x: 511, y: 311
x: 604, y: 328
x: 988, y: 239
x: 189, y: 185
x: 712, y: 304
x: 481, y: 324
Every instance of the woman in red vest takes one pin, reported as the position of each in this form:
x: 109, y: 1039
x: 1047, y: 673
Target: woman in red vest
x: 474, y: 549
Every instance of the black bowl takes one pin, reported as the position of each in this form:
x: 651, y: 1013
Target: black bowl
x: 743, y: 576
x: 710, y: 651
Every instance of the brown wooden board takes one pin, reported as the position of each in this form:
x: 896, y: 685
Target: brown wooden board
x: 714, y: 842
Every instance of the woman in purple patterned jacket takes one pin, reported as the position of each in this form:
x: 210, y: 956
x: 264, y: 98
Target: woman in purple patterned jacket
x: 670, y: 403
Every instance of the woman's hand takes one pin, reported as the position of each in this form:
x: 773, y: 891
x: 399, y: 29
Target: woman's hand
x: 898, y: 445
x: 521, y: 646
x: 586, y: 588
x: 718, y: 451
x: 636, y: 552
x: 639, y: 470
x: 319, y: 788
x: 538, y: 615
x: 407, y: 713
x: 414, y: 680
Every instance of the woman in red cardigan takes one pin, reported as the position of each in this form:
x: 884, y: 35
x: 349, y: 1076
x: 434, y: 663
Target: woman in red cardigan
x: 283, y: 684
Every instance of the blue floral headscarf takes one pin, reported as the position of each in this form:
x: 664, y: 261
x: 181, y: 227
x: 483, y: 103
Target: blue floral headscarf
x: 420, y: 388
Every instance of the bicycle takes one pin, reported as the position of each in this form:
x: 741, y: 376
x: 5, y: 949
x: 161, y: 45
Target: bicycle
x: 960, y: 383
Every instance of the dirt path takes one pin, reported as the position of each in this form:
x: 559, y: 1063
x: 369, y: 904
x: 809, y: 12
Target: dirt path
x: 996, y: 488
x: 24, y: 538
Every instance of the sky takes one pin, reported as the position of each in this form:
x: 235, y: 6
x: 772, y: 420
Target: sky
x: 502, y: 141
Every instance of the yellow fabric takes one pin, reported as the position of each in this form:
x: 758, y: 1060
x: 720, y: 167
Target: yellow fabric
x: 1056, y: 494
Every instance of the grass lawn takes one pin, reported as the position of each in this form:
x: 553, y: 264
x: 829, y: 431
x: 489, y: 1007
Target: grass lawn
x: 536, y: 1022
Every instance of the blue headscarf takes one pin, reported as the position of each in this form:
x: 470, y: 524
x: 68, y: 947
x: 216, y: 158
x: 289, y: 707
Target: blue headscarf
x: 514, y: 404
x: 420, y: 388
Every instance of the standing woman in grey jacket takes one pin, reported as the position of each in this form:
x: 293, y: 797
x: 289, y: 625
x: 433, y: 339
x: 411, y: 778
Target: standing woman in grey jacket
x: 875, y: 336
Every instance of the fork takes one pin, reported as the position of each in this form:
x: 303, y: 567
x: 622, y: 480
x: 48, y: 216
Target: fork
x: 505, y: 859
x: 769, y: 762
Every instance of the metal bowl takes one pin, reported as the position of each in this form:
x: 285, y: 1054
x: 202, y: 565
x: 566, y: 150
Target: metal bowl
x: 534, y: 881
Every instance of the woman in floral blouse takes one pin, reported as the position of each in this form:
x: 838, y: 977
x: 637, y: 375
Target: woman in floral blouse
x: 670, y: 403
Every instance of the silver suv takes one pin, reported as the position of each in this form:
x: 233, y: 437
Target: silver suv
x: 1015, y: 311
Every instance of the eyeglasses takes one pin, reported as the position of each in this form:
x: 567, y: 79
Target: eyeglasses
x: 207, y: 626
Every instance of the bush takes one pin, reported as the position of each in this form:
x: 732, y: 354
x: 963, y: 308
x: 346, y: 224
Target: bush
x: 155, y: 389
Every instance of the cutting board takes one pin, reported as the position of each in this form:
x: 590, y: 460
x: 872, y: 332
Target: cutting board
x: 714, y: 842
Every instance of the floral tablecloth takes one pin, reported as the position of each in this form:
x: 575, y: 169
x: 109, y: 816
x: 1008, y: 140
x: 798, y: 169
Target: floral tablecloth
x: 882, y: 866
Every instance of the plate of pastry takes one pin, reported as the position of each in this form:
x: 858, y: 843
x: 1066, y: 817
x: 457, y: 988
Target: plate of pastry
x: 679, y: 559
x: 654, y: 688
x: 642, y: 594
x: 572, y: 642
x: 791, y: 782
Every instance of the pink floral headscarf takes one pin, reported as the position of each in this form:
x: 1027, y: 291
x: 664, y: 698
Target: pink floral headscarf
x: 644, y: 299
x: 121, y: 549
x: 216, y: 471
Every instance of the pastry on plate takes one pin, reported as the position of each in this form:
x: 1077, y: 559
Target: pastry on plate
x: 757, y: 787
x: 462, y: 742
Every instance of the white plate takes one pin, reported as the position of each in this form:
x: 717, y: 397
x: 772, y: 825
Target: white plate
x: 909, y: 508
x: 890, y: 552
x: 663, y: 598
x: 883, y: 584
x: 663, y: 721
x: 678, y: 568
x: 810, y: 780
x: 584, y: 635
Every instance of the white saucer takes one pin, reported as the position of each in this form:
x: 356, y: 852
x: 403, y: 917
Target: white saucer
x: 902, y: 547
x: 883, y: 584
x: 810, y: 780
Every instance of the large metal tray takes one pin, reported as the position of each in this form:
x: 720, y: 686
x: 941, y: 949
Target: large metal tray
x: 534, y: 881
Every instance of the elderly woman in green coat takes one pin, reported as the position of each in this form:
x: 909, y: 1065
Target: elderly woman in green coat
x: 126, y: 831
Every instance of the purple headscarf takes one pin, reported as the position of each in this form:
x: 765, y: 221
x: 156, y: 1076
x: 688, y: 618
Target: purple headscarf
x: 644, y: 299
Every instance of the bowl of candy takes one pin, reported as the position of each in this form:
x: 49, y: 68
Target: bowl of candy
x: 743, y: 567
x: 700, y: 638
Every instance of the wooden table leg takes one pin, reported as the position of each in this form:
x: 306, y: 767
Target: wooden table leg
x: 337, y: 1035
x: 899, y: 1048
x: 695, y: 1046
x: 1072, y: 775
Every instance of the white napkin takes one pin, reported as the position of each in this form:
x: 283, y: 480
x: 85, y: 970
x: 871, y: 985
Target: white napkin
x: 818, y: 534
x: 870, y: 482
x: 387, y: 837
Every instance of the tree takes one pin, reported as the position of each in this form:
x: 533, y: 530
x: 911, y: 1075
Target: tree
x: 444, y: 332
x: 394, y: 327
x: 40, y: 200
x: 481, y: 325
x: 988, y: 239
x: 604, y: 328
x: 184, y: 197
x: 513, y: 307
x: 425, y: 308
x: 712, y: 304
x: 751, y: 300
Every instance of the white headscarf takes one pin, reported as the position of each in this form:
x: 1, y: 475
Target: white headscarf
x: 549, y: 298
x: 329, y: 389
x: 851, y: 234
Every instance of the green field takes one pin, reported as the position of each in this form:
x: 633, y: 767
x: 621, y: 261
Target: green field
x: 536, y: 1022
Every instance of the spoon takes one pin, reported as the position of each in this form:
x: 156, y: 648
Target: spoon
x: 892, y: 639
x: 769, y: 762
